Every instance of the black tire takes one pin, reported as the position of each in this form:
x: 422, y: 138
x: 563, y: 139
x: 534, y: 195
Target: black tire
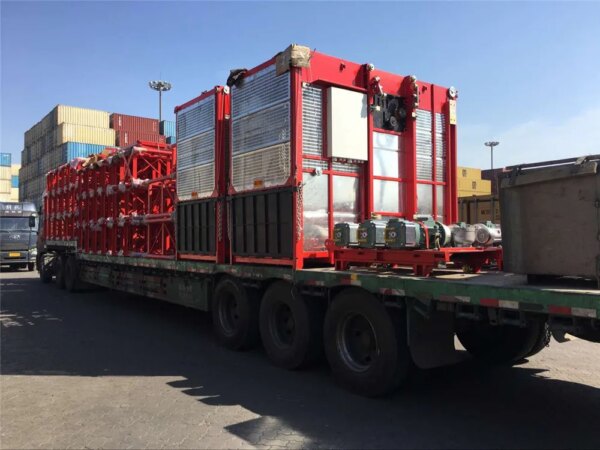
x: 501, y: 344
x: 542, y: 340
x: 60, y: 264
x: 30, y: 267
x: 44, y: 270
x: 235, y: 314
x: 290, y: 327
x: 366, y: 343
x: 72, y: 283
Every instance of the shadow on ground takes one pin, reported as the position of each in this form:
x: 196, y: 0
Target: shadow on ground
x: 46, y: 331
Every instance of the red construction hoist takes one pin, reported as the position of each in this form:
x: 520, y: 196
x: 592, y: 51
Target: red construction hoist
x: 119, y: 202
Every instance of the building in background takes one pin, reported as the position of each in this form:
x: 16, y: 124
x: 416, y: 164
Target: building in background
x: 469, y: 182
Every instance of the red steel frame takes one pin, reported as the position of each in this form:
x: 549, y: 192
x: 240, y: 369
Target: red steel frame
x: 222, y: 115
x: 423, y: 262
x: 119, y: 202
x: 328, y: 71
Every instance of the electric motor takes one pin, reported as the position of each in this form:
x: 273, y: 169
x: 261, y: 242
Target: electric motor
x: 400, y: 233
x: 487, y: 234
x: 463, y: 235
x: 371, y: 233
x: 344, y: 234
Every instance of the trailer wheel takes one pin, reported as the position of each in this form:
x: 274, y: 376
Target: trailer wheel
x: 500, y: 344
x: 366, y: 344
x: 290, y: 327
x: 44, y: 269
x: 72, y: 283
x: 542, y: 340
x: 235, y: 314
x: 61, y: 261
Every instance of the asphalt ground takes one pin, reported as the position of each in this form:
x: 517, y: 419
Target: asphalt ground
x: 103, y: 369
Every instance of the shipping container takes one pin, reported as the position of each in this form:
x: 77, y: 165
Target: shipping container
x: 4, y: 173
x: 171, y: 140
x: 127, y: 138
x: 71, y: 150
x: 347, y: 140
x: 14, y: 169
x: 79, y: 116
x: 5, y: 159
x: 14, y: 181
x: 134, y: 124
x: 5, y: 187
x: 14, y: 194
x: 167, y: 128
x: 479, y: 209
x: 66, y: 132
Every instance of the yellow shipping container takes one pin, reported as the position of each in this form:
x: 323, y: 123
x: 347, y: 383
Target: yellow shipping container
x: 68, y: 132
x: 5, y: 186
x: 14, y: 169
x: 469, y: 173
x: 4, y: 173
x: 81, y: 116
x: 14, y: 194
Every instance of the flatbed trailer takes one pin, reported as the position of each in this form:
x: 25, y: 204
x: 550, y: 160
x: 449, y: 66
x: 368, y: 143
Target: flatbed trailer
x: 373, y: 324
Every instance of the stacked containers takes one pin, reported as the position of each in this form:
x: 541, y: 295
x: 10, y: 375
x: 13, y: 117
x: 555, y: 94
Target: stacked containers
x: 201, y: 133
x: 167, y: 129
x: 5, y: 176
x: 316, y: 140
x: 131, y: 129
x: 45, y: 141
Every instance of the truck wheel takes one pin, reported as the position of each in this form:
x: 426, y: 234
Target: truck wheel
x: 44, y: 269
x: 72, y: 283
x: 235, y: 314
x: 290, y: 327
x: 542, y: 340
x: 365, y: 343
x: 61, y: 261
x: 30, y: 266
x: 500, y: 344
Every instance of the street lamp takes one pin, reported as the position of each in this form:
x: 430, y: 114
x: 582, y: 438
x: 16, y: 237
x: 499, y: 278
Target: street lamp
x: 160, y: 86
x: 494, y: 180
x: 491, y: 145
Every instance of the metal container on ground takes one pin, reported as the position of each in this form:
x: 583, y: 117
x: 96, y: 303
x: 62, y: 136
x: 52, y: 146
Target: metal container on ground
x: 66, y: 132
x: 167, y: 128
x: 126, y: 138
x: 124, y: 122
x: 541, y: 205
x: 5, y: 159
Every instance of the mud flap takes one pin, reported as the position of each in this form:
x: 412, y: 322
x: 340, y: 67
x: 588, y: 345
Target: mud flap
x: 431, y: 339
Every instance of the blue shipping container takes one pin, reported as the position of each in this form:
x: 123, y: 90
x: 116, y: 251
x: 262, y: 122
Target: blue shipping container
x: 167, y: 128
x: 171, y: 140
x: 5, y: 159
x: 72, y: 150
x: 14, y: 181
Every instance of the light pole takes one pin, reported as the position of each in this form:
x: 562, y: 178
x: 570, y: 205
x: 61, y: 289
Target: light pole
x: 160, y: 86
x: 491, y: 145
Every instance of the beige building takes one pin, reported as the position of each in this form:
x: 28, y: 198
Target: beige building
x: 9, y: 183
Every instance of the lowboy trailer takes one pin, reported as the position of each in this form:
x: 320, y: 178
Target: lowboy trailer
x: 373, y: 325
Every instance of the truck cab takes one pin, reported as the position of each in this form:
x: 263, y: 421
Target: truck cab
x: 18, y: 234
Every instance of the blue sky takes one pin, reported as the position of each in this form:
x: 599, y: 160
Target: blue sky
x: 527, y: 73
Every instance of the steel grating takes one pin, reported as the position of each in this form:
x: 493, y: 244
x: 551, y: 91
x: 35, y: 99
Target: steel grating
x: 261, y: 168
x: 195, y: 119
x: 312, y: 120
x: 198, y: 180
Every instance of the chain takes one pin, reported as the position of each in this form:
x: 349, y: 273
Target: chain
x: 219, y: 221
x: 299, y: 206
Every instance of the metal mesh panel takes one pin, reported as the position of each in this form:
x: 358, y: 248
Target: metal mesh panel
x: 196, y: 118
x: 424, y: 145
x: 314, y: 164
x: 261, y: 129
x: 312, y: 120
x: 196, y: 151
x: 348, y: 168
x: 259, y: 91
x: 262, y: 168
x: 440, y: 147
x: 315, y: 212
x: 199, y: 180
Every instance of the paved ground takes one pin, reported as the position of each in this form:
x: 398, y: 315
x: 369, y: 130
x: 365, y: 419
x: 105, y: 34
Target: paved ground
x: 102, y: 369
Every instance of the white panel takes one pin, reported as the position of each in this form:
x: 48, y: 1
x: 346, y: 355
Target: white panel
x: 346, y: 124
